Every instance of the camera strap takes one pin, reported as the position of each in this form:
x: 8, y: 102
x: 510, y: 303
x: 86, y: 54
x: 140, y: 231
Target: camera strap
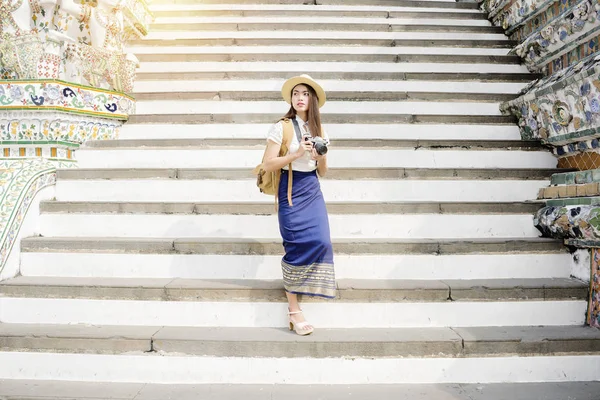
x: 297, y: 129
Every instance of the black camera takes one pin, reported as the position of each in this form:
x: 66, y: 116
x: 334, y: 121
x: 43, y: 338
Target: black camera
x: 319, y: 144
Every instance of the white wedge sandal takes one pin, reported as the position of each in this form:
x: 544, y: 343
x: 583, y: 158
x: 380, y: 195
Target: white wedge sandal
x: 299, y: 327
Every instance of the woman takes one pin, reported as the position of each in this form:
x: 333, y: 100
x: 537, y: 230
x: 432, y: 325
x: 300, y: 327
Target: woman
x: 308, y: 262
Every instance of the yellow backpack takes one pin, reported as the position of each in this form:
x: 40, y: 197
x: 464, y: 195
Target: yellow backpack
x: 268, y: 182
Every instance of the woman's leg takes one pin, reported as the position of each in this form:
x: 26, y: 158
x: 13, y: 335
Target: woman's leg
x: 294, y: 306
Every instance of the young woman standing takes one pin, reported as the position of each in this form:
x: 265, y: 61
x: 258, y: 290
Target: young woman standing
x: 304, y: 224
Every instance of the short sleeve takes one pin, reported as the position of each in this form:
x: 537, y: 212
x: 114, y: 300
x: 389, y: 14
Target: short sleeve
x: 276, y: 133
x: 325, y: 136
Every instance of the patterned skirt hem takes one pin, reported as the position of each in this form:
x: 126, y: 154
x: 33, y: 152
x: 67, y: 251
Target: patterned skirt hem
x: 316, y: 279
x: 325, y: 296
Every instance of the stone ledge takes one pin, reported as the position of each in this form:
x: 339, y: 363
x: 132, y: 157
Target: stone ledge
x: 332, y: 174
x: 48, y: 207
x: 348, y: 290
x: 250, y: 247
x: 61, y: 390
x: 325, y: 343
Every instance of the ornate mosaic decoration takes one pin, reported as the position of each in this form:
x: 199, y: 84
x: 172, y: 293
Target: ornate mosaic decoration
x: 20, y: 181
x: 593, y: 318
x: 576, y: 24
x: 563, y: 108
x: 552, y: 34
x: 63, y: 79
x: 78, y: 41
x: 30, y: 127
x: 560, y: 38
x: 59, y: 95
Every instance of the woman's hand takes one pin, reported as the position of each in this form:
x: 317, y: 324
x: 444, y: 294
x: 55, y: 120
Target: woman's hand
x: 304, y: 147
x: 316, y: 156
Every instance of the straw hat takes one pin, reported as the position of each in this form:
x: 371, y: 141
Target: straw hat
x: 286, y: 90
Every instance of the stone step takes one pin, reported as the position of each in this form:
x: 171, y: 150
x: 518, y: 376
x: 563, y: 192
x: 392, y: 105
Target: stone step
x: 173, y: 374
x: 334, y: 88
x: 421, y: 145
x: 332, y: 174
x: 254, y: 290
x: 310, y: 4
x: 372, y: 304
x: 326, y: 36
x: 62, y: 207
x: 220, y: 246
x: 128, y: 188
x: 150, y: 113
x: 280, y: 343
x: 120, y: 262
x: 315, y: 24
x: 322, y: 11
x: 377, y: 110
x: 345, y: 12
x: 315, y: 42
x: 249, y: 156
x: 18, y: 389
x: 342, y: 131
x: 472, y: 98
x: 345, y: 76
x: 318, y: 19
x: 275, y: 51
x: 363, y: 227
x: 332, y: 57
x: 302, y: 21
x: 339, y: 68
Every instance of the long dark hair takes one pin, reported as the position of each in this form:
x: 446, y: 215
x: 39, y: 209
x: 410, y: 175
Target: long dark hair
x: 314, y: 115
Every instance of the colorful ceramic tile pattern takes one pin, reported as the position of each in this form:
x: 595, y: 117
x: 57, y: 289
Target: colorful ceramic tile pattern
x: 563, y: 109
x: 569, y: 222
x: 20, y: 181
x: 75, y: 41
x: 561, y: 34
x: 593, y: 318
x: 538, y: 19
x: 42, y: 95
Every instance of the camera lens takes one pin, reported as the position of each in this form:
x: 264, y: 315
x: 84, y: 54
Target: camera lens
x: 321, y: 148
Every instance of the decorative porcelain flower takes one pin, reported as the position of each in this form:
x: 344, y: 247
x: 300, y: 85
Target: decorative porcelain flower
x: 582, y: 11
x: 16, y: 92
x: 532, y: 124
x: 548, y: 33
x: 595, y: 105
x: 88, y: 98
x: 52, y: 92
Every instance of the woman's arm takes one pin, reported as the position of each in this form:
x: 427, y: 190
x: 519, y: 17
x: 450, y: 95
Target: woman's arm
x: 272, y: 160
x: 321, y: 163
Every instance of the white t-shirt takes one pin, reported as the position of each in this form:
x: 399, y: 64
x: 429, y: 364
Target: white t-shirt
x: 306, y: 163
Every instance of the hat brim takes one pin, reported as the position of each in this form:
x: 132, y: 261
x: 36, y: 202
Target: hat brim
x: 290, y: 84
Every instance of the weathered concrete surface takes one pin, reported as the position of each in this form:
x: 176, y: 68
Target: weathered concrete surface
x: 374, y: 290
x: 280, y: 343
x: 45, y: 390
x: 231, y: 246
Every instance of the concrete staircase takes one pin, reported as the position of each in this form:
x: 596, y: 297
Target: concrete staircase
x: 156, y: 273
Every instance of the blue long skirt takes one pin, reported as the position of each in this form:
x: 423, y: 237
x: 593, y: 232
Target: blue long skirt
x: 308, y: 262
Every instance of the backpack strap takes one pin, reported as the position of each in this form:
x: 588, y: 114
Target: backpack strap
x: 288, y: 132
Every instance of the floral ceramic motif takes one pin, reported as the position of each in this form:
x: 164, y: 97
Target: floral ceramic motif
x: 569, y: 222
x: 539, y: 48
x: 20, y: 181
x: 56, y: 126
x: 593, y: 318
x: 558, y: 108
x: 72, y: 40
x: 41, y: 95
